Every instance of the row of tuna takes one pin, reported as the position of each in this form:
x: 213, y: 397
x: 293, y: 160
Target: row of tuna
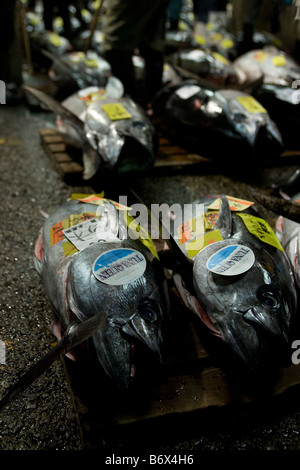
x: 215, y: 107
x: 106, y: 280
x: 108, y: 289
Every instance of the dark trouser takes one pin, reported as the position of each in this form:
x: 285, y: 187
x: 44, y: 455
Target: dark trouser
x: 201, y: 8
x: 62, y: 9
x: 132, y: 25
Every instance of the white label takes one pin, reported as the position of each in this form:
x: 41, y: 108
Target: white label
x: 88, y: 232
x: 231, y: 260
x: 119, y: 266
x: 187, y: 91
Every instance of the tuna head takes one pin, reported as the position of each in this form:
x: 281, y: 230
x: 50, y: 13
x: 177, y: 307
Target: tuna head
x: 120, y: 132
x: 250, y: 311
x: 126, y: 288
x: 252, y: 122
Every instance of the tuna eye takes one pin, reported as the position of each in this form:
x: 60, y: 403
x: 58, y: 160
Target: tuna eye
x: 239, y: 117
x: 147, y: 312
x: 268, y: 298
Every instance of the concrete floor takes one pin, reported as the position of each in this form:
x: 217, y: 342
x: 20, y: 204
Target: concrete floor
x: 43, y: 417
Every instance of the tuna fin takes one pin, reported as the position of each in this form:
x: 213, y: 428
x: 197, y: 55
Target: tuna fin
x: 76, y: 333
x: 224, y: 222
x: 284, y: 207
x: 55, y: 106
x: 91, y: 162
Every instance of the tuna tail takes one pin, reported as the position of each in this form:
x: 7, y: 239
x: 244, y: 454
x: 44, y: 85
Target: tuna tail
x: 54, y: 106
x: 284, y: 207
x: 224, y: 222
x: 76, y: 334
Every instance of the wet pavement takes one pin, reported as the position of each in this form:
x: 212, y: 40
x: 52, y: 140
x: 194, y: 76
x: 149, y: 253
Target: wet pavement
x: 43, y: 418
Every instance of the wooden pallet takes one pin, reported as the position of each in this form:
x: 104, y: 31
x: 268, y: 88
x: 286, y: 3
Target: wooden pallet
x: 192, y: 380
x: 63, y: 158
x: 66, y: 159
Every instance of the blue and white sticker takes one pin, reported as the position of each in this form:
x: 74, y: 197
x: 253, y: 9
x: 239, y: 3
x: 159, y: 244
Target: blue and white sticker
x: 119, y: 266
x: 231, y: 260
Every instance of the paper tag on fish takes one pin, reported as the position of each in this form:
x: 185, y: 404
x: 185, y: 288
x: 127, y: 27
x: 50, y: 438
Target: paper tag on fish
x: 116, y: 111
x: 186, y: 92
x: 91, y: 94
x: 91, y: 63
x: 77, y: 57
x: 191, y: 228
x: 141, y: 233
x: 235, y: 204
x: 56, y: 232
x: 220, y: 58
x: 200, y: 39
x: 231, y: 260
x: 87, y: 233
x: 260, y: 229
x: 251, y: 105
x: 216, y: 37
x: 227, y: 43
x: 203, y: 240
x: 55, y: 39
x: 279, y: 61
x: 98, y: 200
x: 261, y: 56
x: 119, y: 266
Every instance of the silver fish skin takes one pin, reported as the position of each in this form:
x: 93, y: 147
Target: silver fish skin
x: 77, y: 70
x: 287, y: 225
x: 124, y: 143
x: 218, y: 122
x: 214, y: 68
x: 252, y: 312
x: 131, y: 314
x: 270, y: 64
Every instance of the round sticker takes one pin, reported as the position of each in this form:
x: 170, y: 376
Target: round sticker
x: 231, y: 260
x: 119, y: 266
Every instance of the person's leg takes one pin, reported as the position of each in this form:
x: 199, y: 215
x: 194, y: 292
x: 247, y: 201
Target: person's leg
x: 48, y: 14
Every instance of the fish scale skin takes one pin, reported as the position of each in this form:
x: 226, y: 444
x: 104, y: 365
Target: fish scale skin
x: 74, y: 292
x: 252, y: 330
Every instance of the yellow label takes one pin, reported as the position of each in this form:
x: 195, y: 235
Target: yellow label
x: 203, y: 240
x: 91, y: 63
x: 235, y: 204
x: 191, y: 228
x: 34, y: 19
x: 56, y: 231
x: 96, y: 4
x: 216, y: 37
x: 251, y: 105
x: 55, y: 39
x: 200, y: 39
x: 116, y: 111
x: 143, y: 235
x: 92, y: 97
x: 260, y: 229
x: 182, y: 26
x: 279, y: 61
x: 69, y: 248
x: 227, y: 43
x: 58, y: 22
x: 261, y: 56
x: 98, y: 200
x: 220, y: 58
x: 77, y: 57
